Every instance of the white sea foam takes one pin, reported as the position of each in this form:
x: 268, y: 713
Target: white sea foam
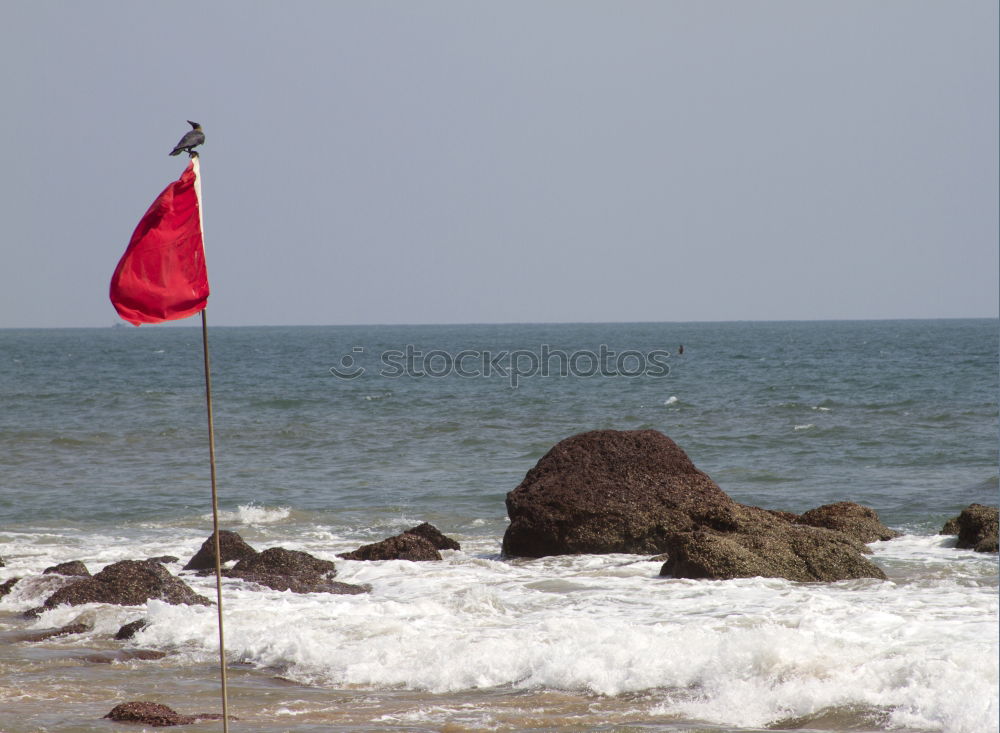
x: 737, y: 653
x: 806, y: 426
x: 671, y: 400
x: 253, y: 514
x: 32, y: 591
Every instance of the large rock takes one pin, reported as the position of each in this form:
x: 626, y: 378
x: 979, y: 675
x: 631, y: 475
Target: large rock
x: 128, y: 583
x: 860, y: 522
x: 638, y: 492
x: 231, y: 547
x: 403, y: 546
x: 607, y: 491
x: 299, y: 572
x: 976, y: 528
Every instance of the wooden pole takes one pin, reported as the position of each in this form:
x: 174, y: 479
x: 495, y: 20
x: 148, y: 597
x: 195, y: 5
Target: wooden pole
x: 196, y: 161
x: 215, y: 523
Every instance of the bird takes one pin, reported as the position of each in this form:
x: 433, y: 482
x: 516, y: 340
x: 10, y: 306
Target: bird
x: 190, y: 141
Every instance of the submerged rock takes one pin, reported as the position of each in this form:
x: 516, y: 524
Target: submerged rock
x: 68, y: 629
x: 128, y: 583
x: 860, y: 522
x: 976, y: 528
x: 74, y: 567
x: 637, y: 492
x: 131, y: 629
x: 124, y: 655
x: 231, y: 547
x: 167, y: 559
x: 299, y: 572
x: 154, y: 714
x: 7, y: 586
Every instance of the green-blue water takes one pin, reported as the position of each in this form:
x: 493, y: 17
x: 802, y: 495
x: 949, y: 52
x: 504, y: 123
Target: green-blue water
x: 109, y: 424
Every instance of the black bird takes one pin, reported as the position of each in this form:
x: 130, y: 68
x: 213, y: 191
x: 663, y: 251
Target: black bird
x: 190, y: 140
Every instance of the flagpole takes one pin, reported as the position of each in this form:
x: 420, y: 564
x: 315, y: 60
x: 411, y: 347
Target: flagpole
x: 162, y: 277
x: 196, y: 162
x: 215, y: 522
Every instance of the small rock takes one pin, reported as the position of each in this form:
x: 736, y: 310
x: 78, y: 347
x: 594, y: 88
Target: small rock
x: 148, y: 713
x: 420, y: 543
x: 403, y: 546
x: 977, y: 528
x: 860, y: 522
x: 799, y: 553
x: 433, y: 535
x: 231, y: 547
x: 299, y: 572
x: 74, y: 567
x: 131, y: 629
x: 280, y: 561
x: 165, y: 559
x: 128, y: 583
x: 305, y: 585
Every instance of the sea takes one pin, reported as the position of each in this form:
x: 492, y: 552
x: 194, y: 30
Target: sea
x: 328, y: 438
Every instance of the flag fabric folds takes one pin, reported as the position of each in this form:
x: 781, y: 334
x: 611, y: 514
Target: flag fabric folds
x: 162, y: 275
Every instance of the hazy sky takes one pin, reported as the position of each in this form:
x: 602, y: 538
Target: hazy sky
x: 468, y: 161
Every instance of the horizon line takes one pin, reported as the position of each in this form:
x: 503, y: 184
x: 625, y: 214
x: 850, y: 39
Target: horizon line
x: 196, y: 324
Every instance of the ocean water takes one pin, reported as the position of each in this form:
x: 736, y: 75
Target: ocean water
x: 103, y: 457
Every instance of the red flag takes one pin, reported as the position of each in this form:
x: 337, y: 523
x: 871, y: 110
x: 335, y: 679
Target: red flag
x: 162, y: 275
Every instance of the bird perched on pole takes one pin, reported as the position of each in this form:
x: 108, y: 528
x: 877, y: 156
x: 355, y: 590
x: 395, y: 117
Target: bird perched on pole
x: 190, y: 141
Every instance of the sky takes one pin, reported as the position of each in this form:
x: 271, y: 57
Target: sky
x: 467, y: 161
